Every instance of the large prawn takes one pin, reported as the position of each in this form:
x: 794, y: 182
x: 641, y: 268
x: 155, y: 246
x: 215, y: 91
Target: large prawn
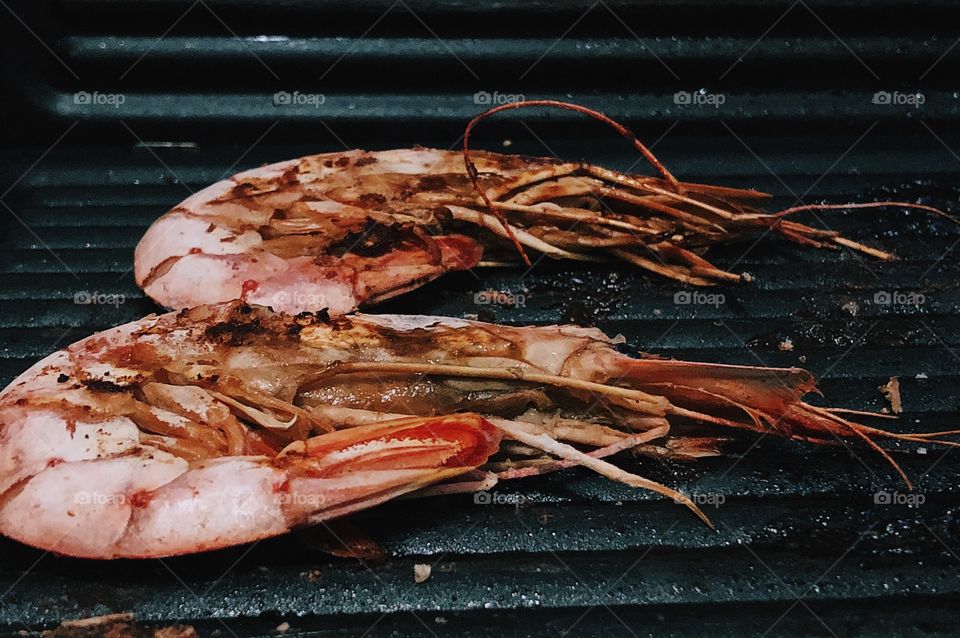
x: 224, y: 424
x: 339, y: 230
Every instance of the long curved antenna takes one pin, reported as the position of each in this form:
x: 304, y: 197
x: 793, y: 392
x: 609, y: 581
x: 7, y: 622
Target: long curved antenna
x: 619, y: 128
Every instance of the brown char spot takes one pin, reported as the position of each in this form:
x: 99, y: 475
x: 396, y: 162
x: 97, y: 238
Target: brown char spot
x: 136, y: 355
x: 372, y: 199
x: 234, y: 332
x: 291, y: 176
x: 432, y: 183
x: 244, y: 189
x: 102, y: 385
x: 140, y: 499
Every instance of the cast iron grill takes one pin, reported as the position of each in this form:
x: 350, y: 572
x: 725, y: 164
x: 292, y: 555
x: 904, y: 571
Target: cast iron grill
x: 569, y: 551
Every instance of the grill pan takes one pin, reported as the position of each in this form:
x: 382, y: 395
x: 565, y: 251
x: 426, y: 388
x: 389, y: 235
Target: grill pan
x: 803, y: 546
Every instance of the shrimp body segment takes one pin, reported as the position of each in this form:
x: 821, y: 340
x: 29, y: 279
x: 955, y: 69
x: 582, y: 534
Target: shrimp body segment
x: 223, y: 424
x: 99, y: 459
x: 340, y: 230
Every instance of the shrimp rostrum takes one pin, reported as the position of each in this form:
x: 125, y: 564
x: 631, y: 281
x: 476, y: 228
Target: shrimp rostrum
x: 224, y: 424
x: 340, y: 230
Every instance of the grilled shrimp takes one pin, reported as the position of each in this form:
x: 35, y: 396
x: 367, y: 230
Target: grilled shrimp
x: 340, y: 230
x: 223, y: 424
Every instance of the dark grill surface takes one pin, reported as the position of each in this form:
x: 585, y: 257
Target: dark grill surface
x: 802, y: 546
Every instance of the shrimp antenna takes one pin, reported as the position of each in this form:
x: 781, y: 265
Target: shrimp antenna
x: 619, y: 128
x: 855, y: 245
x: 701, y: 198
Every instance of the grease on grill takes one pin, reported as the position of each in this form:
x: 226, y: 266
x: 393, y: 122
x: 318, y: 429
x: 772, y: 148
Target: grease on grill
x: 587, y: 302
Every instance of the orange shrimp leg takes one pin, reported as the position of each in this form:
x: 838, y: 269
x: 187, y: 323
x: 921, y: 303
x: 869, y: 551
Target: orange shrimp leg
x: 352, y: 469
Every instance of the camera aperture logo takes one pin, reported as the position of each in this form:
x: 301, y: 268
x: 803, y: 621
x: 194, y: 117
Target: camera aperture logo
x: 898, y: 298
x: 485, y: 98
x: 96, y: 98
x: 896, y: 98
x: 884, y: 497
x: 699, y: 98
x: 484, y: 497
x: 88, y: 298
x: 698, y: 298
x: 296, y: 98
x: 500, y: 298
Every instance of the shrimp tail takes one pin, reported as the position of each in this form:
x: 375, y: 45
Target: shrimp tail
x: 765, y: 400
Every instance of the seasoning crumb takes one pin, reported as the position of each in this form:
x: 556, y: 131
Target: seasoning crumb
x: 786, y: 345
x: 891, y: 390
x: 852, y: 308
x: 421, y: 573
x: 283, y: 627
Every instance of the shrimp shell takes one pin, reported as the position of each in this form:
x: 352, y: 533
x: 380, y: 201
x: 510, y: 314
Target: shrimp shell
x: 341, y: 230
x: 224, y: 424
